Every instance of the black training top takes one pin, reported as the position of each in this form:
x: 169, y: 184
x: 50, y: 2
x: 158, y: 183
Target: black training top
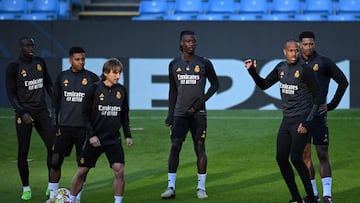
x: 325, y: 69
x: 26, y: 81
x: 105, y: 111
x: 300, y: 92
x: 69, y: 92
x: 187, y: 83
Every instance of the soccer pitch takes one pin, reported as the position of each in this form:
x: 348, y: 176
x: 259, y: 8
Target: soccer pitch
x: 241, y: 161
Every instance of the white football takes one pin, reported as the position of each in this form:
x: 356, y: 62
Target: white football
x: 62, y: 195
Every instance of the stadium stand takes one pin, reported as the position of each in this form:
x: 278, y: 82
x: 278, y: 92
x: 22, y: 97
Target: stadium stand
x: 179, y: 17
x: 276, y: 17
x: 64, y: 9
x: 43, y: 10
x: 324, y: 7
x: 342, y: 17
x: 152, y: 9
x: 211, y: 17
x: 13, y: 6
x: 237, y: 10
x: 9, y: 16
x: 285, y: 6
x: 221, y: 7
x: 35, y: 9
x: 348, y: 7
x: 38, y: 17
x: 253, y: 6
x: 310, y: 17
x: 243, y: 17
x: 107, y: 9
x: 189, y: 6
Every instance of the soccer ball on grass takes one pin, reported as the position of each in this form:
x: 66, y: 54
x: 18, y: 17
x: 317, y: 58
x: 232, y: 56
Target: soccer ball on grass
x: 62, y: 195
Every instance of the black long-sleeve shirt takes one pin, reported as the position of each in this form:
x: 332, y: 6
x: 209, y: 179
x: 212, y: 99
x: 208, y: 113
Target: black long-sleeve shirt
x: 299, y: 89
x: 105, y: 111
x: 187, y: 85
x: 69, y: 92
x: 325, y: 69
x: 26, y: 82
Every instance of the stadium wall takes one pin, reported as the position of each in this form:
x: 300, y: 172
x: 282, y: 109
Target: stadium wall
x: 146, y: 47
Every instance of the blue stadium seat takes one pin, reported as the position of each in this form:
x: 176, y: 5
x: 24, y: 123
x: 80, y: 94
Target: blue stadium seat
x: 310, y: 17
x: 243, y: 17
x: 253, y: 6
x: 38, y: 17
x: 221, y: 6
x: 9, y: 16
x: 179, y: 17
x: 147, y: 17
x: 318, y: 6
x: 46, y: 6
x: 158, y: 7
x: 189, y: 6
x: 210, y: 17
x: 276, y: 17
x: 152, y: 10
x: 285, y: 6
x: 343, y: 17
x: 64, y: 9
x: 13, y: 6
x: 348, y: 6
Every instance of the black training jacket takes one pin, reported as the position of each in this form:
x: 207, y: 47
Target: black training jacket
x: 299, y: 89
x: 105, y: 111
x: 26, y: 82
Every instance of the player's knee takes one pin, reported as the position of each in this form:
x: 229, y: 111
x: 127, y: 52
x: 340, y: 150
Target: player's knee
x: 296, y: 160
x: 56, y: 161
x: 176, y: 144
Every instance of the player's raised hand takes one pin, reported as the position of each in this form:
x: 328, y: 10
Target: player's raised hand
x: 249, y: 63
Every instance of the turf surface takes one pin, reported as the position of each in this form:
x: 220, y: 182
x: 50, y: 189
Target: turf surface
x: 241, y: 161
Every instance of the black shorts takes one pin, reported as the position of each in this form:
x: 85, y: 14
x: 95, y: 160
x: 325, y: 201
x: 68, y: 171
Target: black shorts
x: 69, y: 137
x: 90, y: 154
x: 320, y: 132
x: 196, y: 124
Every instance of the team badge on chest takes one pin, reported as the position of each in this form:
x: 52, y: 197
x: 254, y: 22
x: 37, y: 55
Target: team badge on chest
x: 297, y: 74
x: 197, y: 69
x: 66, y: 82
x: 118, y: 95
x: 101, y: 96
x: 84, y: 81
x: 23, y: 73
x: 39, y: 67
x: 316, y: 67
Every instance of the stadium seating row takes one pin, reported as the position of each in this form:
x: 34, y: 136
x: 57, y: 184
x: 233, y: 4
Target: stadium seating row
x: 34, y: 9
x: 341, y: 10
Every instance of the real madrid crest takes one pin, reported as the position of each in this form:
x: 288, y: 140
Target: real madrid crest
x: 66, y: 82
x: 23, y: 73
x: 101, y: 96
x: 84, y: 81
x: 18, y: 121
x: 282, y: 73
x: 118, y: 95
x: 297, y: 74
x: 316, y: 67
x: 39, y: 67
x: 197, y: 69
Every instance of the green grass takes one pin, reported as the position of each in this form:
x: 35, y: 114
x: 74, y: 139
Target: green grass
x: 241, y: 161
